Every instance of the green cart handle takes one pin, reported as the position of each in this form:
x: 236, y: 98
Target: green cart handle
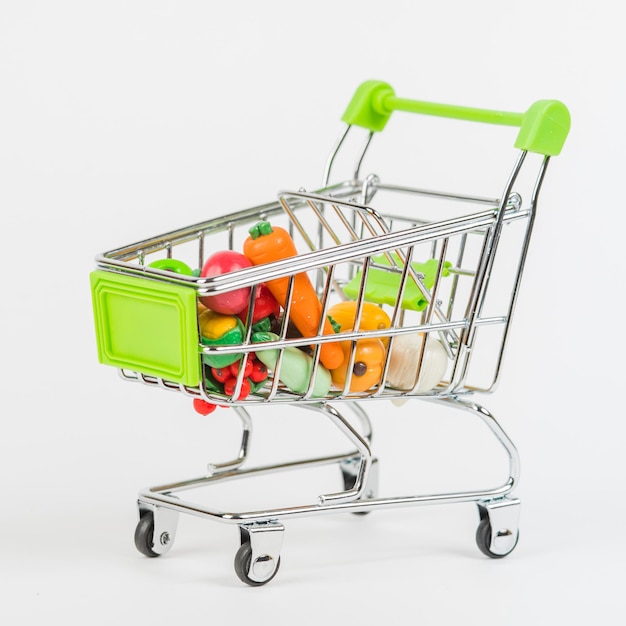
x: 543, y: 128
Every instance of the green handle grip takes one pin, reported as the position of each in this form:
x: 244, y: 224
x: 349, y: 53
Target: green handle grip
x: 543, y: 127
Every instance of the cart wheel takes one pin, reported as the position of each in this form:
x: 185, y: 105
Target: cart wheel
x: 483, y: 540
x: 144, y: 535
x: 264, y: 568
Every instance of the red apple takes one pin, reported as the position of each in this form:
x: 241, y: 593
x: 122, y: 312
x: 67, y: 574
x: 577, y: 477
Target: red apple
x: 222, y: 262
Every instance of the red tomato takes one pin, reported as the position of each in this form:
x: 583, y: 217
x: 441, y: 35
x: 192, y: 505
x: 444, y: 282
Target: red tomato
x: 203, y: 407
x: 259, y: 372
x: 221, y: 374
x: 234, y: 368
x: 229, y: 388
x: 222, y: 262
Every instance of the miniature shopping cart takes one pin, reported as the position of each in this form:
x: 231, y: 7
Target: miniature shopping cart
x: 390, y: 293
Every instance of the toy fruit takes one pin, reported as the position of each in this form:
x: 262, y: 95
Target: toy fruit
x: 223, y: 380
x: 369, y: 358
x: 221, y: 374
x: 203, y: 407
x: 296, y: 367
x: 222, y: 262
x: 259, y: 371
x: 247, y: 370
x: 217, y: 329
x: 231, y: 384
x: 267, y: 244
x: 367, y: 368
x: 372, y: 317
x: 403, y: 362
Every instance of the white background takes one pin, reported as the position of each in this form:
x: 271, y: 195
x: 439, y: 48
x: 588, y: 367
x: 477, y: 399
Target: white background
x: 122, y: 120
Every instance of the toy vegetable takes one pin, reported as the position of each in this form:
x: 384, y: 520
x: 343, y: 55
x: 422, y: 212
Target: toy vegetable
x: 224, y: 379
x: 268, y: 243
x: 296, y: 367
x: 403, y: 363
x: 264, y: 305
x: 367, y: 368
x: 217, y: 329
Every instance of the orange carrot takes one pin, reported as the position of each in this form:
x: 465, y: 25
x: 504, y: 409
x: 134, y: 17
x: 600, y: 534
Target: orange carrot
x: 268, y: 243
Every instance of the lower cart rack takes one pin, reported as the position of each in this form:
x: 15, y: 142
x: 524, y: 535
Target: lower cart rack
x: 360, y: 292
x: 261, y: 531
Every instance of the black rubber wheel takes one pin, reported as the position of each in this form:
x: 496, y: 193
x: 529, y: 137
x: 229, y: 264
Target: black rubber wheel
x: 144, y: 535
x: 483, y: 540
x: 243, y: 564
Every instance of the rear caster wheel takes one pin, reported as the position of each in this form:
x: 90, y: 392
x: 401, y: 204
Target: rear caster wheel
x: 156, y: 530
x: 256, y: 573
x: 144, y: 535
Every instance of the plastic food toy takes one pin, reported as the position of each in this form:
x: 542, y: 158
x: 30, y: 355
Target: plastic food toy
x: 367, y: 364
x: 296, y: 367
x: 218, y: 329
x: 403, y: 363
x: 223, y: 380
x: 373, y: 317
x: 203, y: 407
x: 223, y: 262
x: 369, y: 354
x: 267, y: 244
x: 265, y: 306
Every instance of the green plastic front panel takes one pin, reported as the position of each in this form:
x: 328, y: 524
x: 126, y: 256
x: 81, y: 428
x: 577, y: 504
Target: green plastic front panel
x: 146, y: 326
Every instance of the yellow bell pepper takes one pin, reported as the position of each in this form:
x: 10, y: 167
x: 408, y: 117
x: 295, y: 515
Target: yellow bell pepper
x: 218, y: 329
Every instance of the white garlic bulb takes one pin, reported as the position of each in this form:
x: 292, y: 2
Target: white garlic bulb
x: 404, y: 358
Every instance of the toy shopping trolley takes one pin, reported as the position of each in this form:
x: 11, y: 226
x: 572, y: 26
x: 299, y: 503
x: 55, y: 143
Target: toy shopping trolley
x: 364, y: 291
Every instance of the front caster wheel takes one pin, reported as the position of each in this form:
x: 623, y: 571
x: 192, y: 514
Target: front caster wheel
x: 258, y: 573
x: 144, y: 535
x: 507, y: 540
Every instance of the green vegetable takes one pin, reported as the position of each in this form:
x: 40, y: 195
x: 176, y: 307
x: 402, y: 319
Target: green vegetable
x: 296, y: 367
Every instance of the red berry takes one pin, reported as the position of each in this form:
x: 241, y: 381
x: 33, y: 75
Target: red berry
x: 203, y: 407
x: 221, y: 374
x: 234, y: 368
x: 259, y: 372
x: 231, y: 383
